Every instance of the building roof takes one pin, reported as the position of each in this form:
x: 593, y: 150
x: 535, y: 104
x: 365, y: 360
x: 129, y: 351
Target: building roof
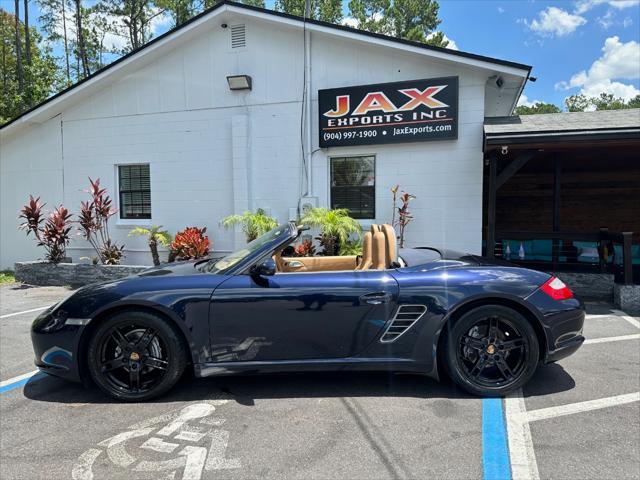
x: 227, y: 4
x: 600, y: 124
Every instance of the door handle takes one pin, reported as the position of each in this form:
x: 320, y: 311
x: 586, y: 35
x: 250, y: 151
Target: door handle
x: 376, y: 298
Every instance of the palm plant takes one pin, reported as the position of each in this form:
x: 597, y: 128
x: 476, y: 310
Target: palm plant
x: 155, y: 235
x: 335, y: 227
x: 253, y: 224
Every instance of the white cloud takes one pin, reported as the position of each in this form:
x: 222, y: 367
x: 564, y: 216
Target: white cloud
x: 452, y: 45
x: 501, y: 10
x: 583, y: 6
x: 350, y: 22
x: 524, y: 101
x: 627, y: 22
x: 619, y: 61
x: 554, y: 21
x: 606, y: 20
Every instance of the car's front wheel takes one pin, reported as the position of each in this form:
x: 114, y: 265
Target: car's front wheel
x: 491, y: 351
x: 136, y: 355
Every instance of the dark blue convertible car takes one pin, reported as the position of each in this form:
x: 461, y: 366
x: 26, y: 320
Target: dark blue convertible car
x: 486, y: 325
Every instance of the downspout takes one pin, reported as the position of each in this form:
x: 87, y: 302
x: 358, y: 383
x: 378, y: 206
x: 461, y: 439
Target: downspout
x: 307, y: 88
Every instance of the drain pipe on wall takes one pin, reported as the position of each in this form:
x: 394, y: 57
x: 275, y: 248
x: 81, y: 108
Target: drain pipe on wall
x: 308, y: 151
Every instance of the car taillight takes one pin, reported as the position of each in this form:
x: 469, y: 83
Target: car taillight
x: 556, y: 289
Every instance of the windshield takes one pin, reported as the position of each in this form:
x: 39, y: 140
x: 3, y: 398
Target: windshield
x: 225, y: 263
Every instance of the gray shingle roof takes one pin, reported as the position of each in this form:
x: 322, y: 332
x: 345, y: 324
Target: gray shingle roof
x: 563, y: 122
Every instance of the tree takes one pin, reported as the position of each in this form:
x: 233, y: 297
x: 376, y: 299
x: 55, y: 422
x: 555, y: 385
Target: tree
x: 53, y: 21
x: 605, y: 101
x: 414, y: 20
x: 538, y: 107
x: 253, y: 224
x: 335, y: 227
x: 42, y: 71
x: 154, y: 236
x: 323, y: 10
x: 18, y: 43
x: 134, y: 20
x: 180, y: 10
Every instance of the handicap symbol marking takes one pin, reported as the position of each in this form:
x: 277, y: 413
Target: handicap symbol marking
x: 190, y: 438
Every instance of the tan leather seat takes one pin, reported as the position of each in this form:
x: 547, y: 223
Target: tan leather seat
x: 378, y: 249
x: 367, y: 256
x: 391, y: 254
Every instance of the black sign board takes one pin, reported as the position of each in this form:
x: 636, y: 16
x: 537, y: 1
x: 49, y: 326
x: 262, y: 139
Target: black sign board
x: 399, y: 112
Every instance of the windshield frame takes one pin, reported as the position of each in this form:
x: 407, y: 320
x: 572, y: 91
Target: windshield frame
x: 289, y: 233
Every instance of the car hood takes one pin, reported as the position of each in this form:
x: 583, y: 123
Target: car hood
x: 188, y: 267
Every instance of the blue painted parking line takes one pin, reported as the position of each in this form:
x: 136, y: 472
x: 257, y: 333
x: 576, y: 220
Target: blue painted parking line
x: 495, y: 452
x: 20, y: 381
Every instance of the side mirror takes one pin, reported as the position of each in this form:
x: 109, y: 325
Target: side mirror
x: 265, y: 269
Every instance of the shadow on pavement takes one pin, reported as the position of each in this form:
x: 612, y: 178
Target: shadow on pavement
x: 245, y: 389
x: 549, y: 379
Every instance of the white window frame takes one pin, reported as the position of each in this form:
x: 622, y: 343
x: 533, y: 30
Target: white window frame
x: 143, y: 222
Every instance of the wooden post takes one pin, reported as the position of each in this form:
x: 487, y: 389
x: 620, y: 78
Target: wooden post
x: 627, y: 264
x: 557, y: 180
x: 491, y: 207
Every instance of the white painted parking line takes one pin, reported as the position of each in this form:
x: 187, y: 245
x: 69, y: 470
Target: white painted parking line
x: 23, y: 312
x: 634, y: 336
x: 628, y: 318
x: 17, y: 379
x: 571, y: 408
x: 521, y: 452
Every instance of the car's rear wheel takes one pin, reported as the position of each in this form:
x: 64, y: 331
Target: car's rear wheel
x: 136, y: 355
x: 491, y: 351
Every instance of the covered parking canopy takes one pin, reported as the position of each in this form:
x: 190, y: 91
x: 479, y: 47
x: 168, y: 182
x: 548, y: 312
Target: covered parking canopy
x: 567, y: 178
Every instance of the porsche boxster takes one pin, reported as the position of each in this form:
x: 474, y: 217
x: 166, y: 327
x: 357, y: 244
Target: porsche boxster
x: 485, y: 324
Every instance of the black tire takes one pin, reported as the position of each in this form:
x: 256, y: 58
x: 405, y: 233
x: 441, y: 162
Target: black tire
x: 136, y: 355
x: 491, y: 351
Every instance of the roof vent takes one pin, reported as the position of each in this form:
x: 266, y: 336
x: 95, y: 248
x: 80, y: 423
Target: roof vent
x: 238, y: 36
x: 403, y: 320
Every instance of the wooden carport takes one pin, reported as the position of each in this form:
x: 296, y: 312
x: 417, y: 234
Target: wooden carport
x: 566, y: 178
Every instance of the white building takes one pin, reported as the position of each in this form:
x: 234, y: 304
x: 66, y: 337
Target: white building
x: 212, y: 151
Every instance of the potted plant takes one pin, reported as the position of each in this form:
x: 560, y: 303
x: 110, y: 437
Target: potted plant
x: 154, y: 236
x: 253, y: 224
x: 336, y: 226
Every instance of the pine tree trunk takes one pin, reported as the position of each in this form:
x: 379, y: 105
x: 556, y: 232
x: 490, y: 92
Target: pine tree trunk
x: 19, y: 50
x: 66, y: 42
x: 27, y: 52
x: 80, y: 35
x: 4, y: 53
x: 153, y: 246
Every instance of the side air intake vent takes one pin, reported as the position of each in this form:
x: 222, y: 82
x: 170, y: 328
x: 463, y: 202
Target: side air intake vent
x: 238, y: 36
x: 403, y: 320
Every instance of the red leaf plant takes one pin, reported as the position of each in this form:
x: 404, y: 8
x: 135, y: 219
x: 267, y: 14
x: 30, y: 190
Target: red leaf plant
x: 94, y: 224
x: 404, y: 216
x: 190, y: 243
x: 305, y: 249
x: 54, y: 236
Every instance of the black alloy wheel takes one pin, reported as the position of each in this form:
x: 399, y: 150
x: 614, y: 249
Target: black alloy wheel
x: 136, y: 355
x: 492, y: 350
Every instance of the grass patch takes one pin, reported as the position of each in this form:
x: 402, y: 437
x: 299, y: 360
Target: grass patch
x: 6, y: 276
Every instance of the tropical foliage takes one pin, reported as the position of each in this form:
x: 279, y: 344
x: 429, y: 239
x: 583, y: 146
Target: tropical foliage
x: 155, y: 235
x: 94, y: 224
x: 190, y: 243
x: 404, y: 216
x: 253, y: 224
x: 336, y: 226
x: 54, y: 235
x: 351, y: 248
x: 305, y: 249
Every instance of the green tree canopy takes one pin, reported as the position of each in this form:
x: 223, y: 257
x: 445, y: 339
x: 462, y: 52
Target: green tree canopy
x: 41, y: 77
x: 324, y: 10
x: 415, y: 20
x: 605, y: 101
x: 538, y: 107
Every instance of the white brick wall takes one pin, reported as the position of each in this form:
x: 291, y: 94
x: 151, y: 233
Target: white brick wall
x: 214, y: 152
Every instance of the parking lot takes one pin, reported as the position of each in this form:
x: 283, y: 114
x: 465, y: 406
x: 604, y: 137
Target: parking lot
x: 579, y: 419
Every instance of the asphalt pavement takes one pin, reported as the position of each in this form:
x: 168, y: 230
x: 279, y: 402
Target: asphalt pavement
x: 579, y: 418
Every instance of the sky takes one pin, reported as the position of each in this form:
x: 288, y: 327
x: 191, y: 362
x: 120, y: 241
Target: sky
x: 574, y: 46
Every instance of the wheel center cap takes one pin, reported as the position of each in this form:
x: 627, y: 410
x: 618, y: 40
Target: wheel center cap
x: 135, y: 356
x: 491, y: 349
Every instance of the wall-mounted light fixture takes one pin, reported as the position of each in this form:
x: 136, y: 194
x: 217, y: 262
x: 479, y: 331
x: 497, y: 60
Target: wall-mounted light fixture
x: 239, y: 82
